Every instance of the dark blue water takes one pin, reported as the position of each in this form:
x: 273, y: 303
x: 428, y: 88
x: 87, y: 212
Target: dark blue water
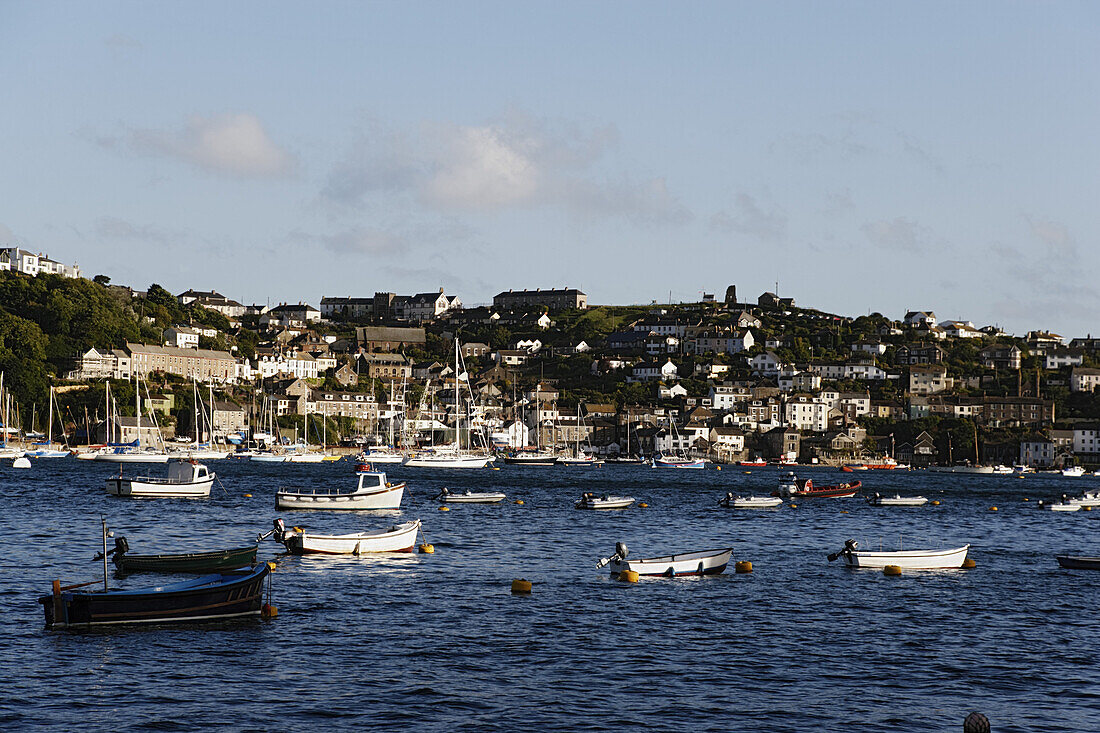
x: 437, y: 642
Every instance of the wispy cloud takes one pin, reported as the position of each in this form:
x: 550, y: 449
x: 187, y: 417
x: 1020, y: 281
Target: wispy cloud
x: 750, y: 218
x: 904, y: 235
x: 518, y: 162
x: 109, y: 227
x: 233, y: 144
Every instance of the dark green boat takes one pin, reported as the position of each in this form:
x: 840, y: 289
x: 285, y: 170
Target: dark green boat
x: 187, y: 562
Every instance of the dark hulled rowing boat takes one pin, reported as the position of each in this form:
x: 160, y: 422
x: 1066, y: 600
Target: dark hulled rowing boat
x: 223, y: 595
x: 189, y: 562
x: 1073, y: 562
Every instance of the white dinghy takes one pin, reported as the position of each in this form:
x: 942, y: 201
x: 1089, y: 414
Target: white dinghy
x: 1087, y: 499
x: 896, y: 500
x: 702, y: 562
x: 749, y: 502
x: 912, y: 559
x: 186, y: 479
x: 589, y: 500
x: 398, y: 538
x: 372, y: 492
x: 470, y: 497
x: 1065, y: 505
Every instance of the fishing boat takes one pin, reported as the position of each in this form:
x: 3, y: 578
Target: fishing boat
x: 470, y: 497
x: 227, y: 594
x: 749, y: 502
x: 702, y: 562
x: 589, y: 500
x: 181, y: 562
x: 912, y: 559
x: 1076, y: 562
x: 185, y: 479
x: 792, y: 486
x: 896, y: 500
x: 661, y: 461
x: 758, y: 462
x: 398, y: 538
x: 372, y: 492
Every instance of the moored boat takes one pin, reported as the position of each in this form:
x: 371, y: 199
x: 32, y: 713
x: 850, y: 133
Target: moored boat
x: 912, y: 559
x: 1065, y: 505
x: 218, y: 596
x: 398, y: 538
x: 1073, y: 471
x: 180, y: 562
x: 749, y: 502
x: 758, y: 462
x: 792, y: 486
x: 185, y: 479
x: 896, y: 500
x: 701, y: 562
x: 470, y: 497
x: 1077, y: 562
x: 660, y: 461
x: 371, y: 492
x: 1087, y: 499
x: 590, y: 500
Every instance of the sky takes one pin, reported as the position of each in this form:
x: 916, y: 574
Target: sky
x: 858, y: 156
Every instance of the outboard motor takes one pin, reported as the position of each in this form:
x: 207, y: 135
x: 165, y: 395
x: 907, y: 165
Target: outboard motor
x: 621, y: 550
x: 849, y: 547
x: 279, y: 530
x: 121, y: 547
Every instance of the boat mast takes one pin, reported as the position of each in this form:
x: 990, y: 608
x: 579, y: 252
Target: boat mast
x: 49, y: 427
x: 103, y: 519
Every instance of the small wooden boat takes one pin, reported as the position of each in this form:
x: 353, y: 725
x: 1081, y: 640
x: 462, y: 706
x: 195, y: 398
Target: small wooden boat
x: 185, y: 479
x: 702, y: 562
x: 749, y: 502
x: 372, y: 492
x: 791, y: 486
x: 912, y: 559
x: 589, y: 500
x: 186, y: 562
x: 398, y: 538
x: 1074, y: 562
x: 896, y: 500
x: 218, y: 596
x: 470, y: 497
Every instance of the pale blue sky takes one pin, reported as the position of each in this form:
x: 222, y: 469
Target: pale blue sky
x: 868, y: 156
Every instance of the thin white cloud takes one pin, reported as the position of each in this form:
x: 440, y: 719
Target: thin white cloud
x: 482, y: 168
x: 904, y: 235
x: 233, y: 144
x: 109, y: 227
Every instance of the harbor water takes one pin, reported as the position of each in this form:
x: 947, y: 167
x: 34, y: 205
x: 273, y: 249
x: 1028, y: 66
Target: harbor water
x: 437, y: 642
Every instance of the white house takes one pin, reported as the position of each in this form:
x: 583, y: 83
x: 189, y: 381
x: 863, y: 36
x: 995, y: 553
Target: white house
x: 929, y: 379
x: 649, y: 371
x: 14, y: 259
x: 1086, y: 438
x: 766, y: 364
x: 666, y: 392
x: 1058, y: 358
x: 806, y: 412
x: 1084, y: 379
x: 724, y: 397
x: 961, y: 330
x: 182, y: 337
x: 920, y: 318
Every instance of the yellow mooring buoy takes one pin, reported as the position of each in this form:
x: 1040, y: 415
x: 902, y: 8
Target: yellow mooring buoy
x: 444, y: 509
x: 269, y: 611
x: 519, y: 501
x: 743, y: 566
x: 794, y: 506
x: 935, y: 502
x: 643, y: 505
x: 992, y: 508
x: 521, y: 585
x: 891, y: 570
x: 426, y: 549
x: 718, y: 467
x: 248, y: 496
x: 271, y: 566
x: 968, y: 563
x: 629, y: 576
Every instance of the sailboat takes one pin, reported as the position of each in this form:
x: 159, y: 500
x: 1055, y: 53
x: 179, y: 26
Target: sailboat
x: 204, y: 451
x: 579, y: 457
x: 680, y: 460
x: 376, y: 453
x: 5, y: 450
x: 133, y: 452
x: 455, y: 457
x: 47, y: 451
x: 526, y: 456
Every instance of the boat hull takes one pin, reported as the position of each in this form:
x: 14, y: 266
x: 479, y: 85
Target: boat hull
x: 193, y: 562
x: 612, y: 502
x: 752, y: 502
x: 399, y: 538
x: 132, y: 457
x: 225, y: 595
x: 473, y: 498
x: 159, y: 489
x: 386, y: 498
x: 1073, y: 562
x: 911, y: 559
x: 447, y: 462
x: 704, y: 562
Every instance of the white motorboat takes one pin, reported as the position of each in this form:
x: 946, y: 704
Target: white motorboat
x: 589, y: 500
x: 702, y: 562
x: 470, y: 497
x: 896, y: 500
x: 372, y: 492
x: 962, y: 468
x: 185, y: 479
x: 262, y: 457
x: 1003, y: 470
x: 582, y: 461
x: 1065, y: 505
x: 203, y: 454
x: 6, y: 452
x: 398, y: 538
x: 1021, y: 468
x: 380, y: 456
x: 1073, y: 471
x: 532, y: 458
x: 1087, y: 499
x: 749, y: 502
x: 912, y: 559
x: 447, y: 460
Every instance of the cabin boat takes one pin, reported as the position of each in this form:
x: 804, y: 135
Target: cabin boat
x: 470, y: 497
x: 222, y: 595
x: 589, y: 500
x: 1087, y: 499
x: 791, y: 486
x: 702, y: 562
x: 581, y: 460
x: 749, y: 502
x: 531, y: 458
x: 185, y: 479
x: 912, y: 559
x: 660, y: 461
x: 447, y: 460
x: 372, y: 492
x: 758, y: 461
x: 379, y: 455
x: 1073, y: 471
x: 398, y: 538
x: 896, y: 500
